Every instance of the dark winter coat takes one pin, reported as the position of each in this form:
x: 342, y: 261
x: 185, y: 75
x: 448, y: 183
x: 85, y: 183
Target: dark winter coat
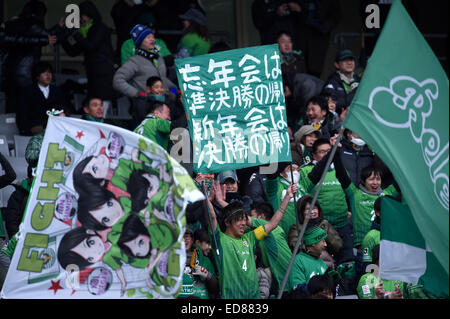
x: 98, y: 54
x: 355, y: 160
x: 335, y: 87
x: 33, y: 107
x: 25, y: 51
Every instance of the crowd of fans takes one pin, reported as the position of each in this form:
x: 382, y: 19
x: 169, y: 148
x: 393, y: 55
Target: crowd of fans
x: 239, y: 242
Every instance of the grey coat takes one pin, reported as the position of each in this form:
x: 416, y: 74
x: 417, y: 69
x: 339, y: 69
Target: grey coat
x: 131, y: 78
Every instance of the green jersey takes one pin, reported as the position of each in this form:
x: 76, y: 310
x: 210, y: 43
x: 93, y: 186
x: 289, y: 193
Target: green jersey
x: 370, y: 240
x: 194, y: 44
x: 331, y: 197
x: 303, y: 268
x: 275, y: 251
x: 361, y: 206
x: 238, y: 278
x: 368, y: 283
x: 276, y: 190
x: 193, y: 286
x: 155, y: 129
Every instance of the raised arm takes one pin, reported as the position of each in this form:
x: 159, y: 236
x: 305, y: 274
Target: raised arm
x: 275, y: 220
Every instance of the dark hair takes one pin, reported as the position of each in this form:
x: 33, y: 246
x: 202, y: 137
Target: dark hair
x: 95, y: 197
x: 231, y: 213
x: 39, y: 68
x: 301, y: 205
x: 319, y: 100
x: 201, y: 235
x: 132, y: 227
x: 34, y: 8
x: 155, y: 105
x: 152, y: 80
x: 70, y: 240
x: 368, y: 170
x: 320, y: 283
x: 318, y: 142
x: 91, y: 195
x: 377, y: 204
x: 80, y: 179
x: 137, y: 186
x: 201, y: 30
x: 375, y: 253
x: 88, y: 100
x: 264, y: 208
x: 283, y: 32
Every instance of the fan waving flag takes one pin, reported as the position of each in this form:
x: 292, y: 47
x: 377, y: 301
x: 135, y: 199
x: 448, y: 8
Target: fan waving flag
x: 105, y: 217
x: 234, y: 101
x: 404, y: 254
x: 401, y: 111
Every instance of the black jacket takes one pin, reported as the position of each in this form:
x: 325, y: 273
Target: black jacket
x: 335, y: 87
x: 13, y: 213
x: 23, y: 53
x: 98, y: 54
x: 33, y: 107
x: 269, y: 24
x: 354, y: 160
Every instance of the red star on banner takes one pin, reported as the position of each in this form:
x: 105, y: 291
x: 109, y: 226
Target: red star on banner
x: 55, y: 286
x: 80, y: 134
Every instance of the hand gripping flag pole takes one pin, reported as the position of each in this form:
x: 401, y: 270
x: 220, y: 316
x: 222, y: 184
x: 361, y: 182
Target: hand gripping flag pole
x: 308, y: 215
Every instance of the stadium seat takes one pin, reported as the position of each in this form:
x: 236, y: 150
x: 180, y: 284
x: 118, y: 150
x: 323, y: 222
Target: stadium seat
x: 4, y: 148
x: 8, y: 127
x: 20, y: 144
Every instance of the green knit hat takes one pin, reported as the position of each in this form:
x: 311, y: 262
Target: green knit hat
x: 313, y: 235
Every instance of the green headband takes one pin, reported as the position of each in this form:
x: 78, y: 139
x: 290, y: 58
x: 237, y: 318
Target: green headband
x: 314, y: 235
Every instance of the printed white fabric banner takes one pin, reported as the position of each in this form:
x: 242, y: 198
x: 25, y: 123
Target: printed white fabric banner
x: 105, y: 217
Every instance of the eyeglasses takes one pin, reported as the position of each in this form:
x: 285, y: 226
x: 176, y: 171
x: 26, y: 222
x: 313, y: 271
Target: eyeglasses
x: 323, y: 151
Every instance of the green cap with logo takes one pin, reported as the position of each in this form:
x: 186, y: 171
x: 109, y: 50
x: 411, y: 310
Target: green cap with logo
x: 313, y: 235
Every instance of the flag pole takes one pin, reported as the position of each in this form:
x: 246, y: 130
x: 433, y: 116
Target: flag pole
x: 210, y: 219
x: 295, y: 200
x: 308, y: 215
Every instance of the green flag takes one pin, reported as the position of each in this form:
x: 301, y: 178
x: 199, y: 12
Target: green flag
x: 234, y: 101
x: 404, y: 253
x: 401, y: 111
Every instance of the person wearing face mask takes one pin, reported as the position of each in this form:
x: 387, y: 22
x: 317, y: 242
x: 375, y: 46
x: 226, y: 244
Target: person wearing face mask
x: 276, y: 188
x: 355, y: 155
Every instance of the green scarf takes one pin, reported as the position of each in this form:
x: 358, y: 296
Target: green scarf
x: 91, y: 118
x: 85, y: 29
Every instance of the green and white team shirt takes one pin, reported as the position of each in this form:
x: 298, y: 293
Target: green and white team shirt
x: 331, y: 197
x: 275, y: 251
x: 237, y: 268
x: 305, y: 267
x: 361, y: 206
x: 370, y: 240
x: 368, y: 283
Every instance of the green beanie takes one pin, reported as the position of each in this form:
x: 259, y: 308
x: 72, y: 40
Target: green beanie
x: 313, y: 235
